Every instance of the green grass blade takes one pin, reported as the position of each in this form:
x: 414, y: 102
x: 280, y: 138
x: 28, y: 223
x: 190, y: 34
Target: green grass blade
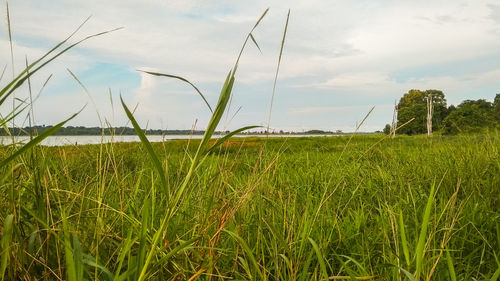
x: 11, y: 115
x: 35, y: 141
x: 3, y: 72
x: 248, y: 252
x: 420, y: 251
x: 277, y: 71
x: 149, y: 148
x: 68, y: 252
x: 182, y: 79
x: 245, y: 266
x: 260, y: 19
x: 78, y: 257
x: 143, y: 240
x: 410, y: 276
x: 91, y: 261
x: 10, y: 37
x: 248, y: 36
x: 321, y: 260
x: 495, y: 275
x: 359, y: 265
x: 156, y: 239
x: 498, y: 232
x: 224, y: 96
x: 19, y: 80
x: 451, y: 267
x: 129, y: 242
x: 404, y: 240
x: 5, y: 242
x: 305, y: 268
x: 255, y: 42
x: 228, y: 136
x: 182, y: 246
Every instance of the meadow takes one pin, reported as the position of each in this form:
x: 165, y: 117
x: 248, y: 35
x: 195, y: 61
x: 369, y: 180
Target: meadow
x: 326, y: 208
x: 323, y: 208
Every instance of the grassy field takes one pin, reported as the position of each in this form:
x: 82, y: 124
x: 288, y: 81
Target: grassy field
x: 359, y: 208
x: 370, y: 207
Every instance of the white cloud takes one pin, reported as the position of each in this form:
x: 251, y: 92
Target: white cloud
x: 351, y: 48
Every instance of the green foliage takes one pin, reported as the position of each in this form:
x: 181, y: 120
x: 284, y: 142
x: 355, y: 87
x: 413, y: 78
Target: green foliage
x: 387, y: 129
x: 496, y: 108
x: 470, y: 116
x: 414, y: 105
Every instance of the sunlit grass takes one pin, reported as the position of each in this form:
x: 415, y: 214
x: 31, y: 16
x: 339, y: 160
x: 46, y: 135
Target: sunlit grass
x: 326, y: 208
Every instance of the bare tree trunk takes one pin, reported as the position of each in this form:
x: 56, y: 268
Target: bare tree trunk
x: 394, y: 120
x: 430, y: 111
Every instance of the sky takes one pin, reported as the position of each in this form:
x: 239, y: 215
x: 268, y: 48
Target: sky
x: 340, y: 59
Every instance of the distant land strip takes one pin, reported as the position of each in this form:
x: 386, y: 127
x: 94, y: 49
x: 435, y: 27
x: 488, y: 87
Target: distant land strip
x: 97, y: 131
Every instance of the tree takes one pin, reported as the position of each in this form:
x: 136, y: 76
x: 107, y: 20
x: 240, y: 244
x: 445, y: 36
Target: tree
x: 414, y: 105
x: 470, y: 116
x: 496, y: 108
x: 387, y: 129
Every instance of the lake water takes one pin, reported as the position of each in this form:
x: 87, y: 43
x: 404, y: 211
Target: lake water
x: 81, y: 140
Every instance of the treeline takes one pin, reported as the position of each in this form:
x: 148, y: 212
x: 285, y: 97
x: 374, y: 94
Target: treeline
x: 470, y: 116
x: 94, y: 131
x: 119, y: 131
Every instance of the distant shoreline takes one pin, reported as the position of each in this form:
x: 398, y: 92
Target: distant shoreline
x: 127, y: 131
x: 94, y: 139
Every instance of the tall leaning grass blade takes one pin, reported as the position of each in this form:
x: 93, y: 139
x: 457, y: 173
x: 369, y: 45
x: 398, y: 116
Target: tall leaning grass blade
x: 25, y: 74
x: 228, y: 136
x: 149, y: 148
x: 248, y: 36
x: 214, y: 121
x: 248, y: 252
x: 321, y: 261
x: 224, y: 97
x: 420, y: 251
x: 11, y: 115
x: 277, y: 71
x: 21, y: 77
x: 182, y: 79
x: 11, y: 56
x: 10, y: 38
x: 35, y: 141
x: 404, y: 240
x: 5, y: 243
x: 88, y: 94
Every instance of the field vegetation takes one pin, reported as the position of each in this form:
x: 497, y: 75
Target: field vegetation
x: 258, y: 209
x: 324, y: 208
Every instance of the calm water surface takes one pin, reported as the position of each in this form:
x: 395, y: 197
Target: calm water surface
x: 81, y: 140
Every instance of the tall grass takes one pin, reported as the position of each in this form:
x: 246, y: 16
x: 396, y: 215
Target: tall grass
x: 251, y: 214
x: 343, y: 208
